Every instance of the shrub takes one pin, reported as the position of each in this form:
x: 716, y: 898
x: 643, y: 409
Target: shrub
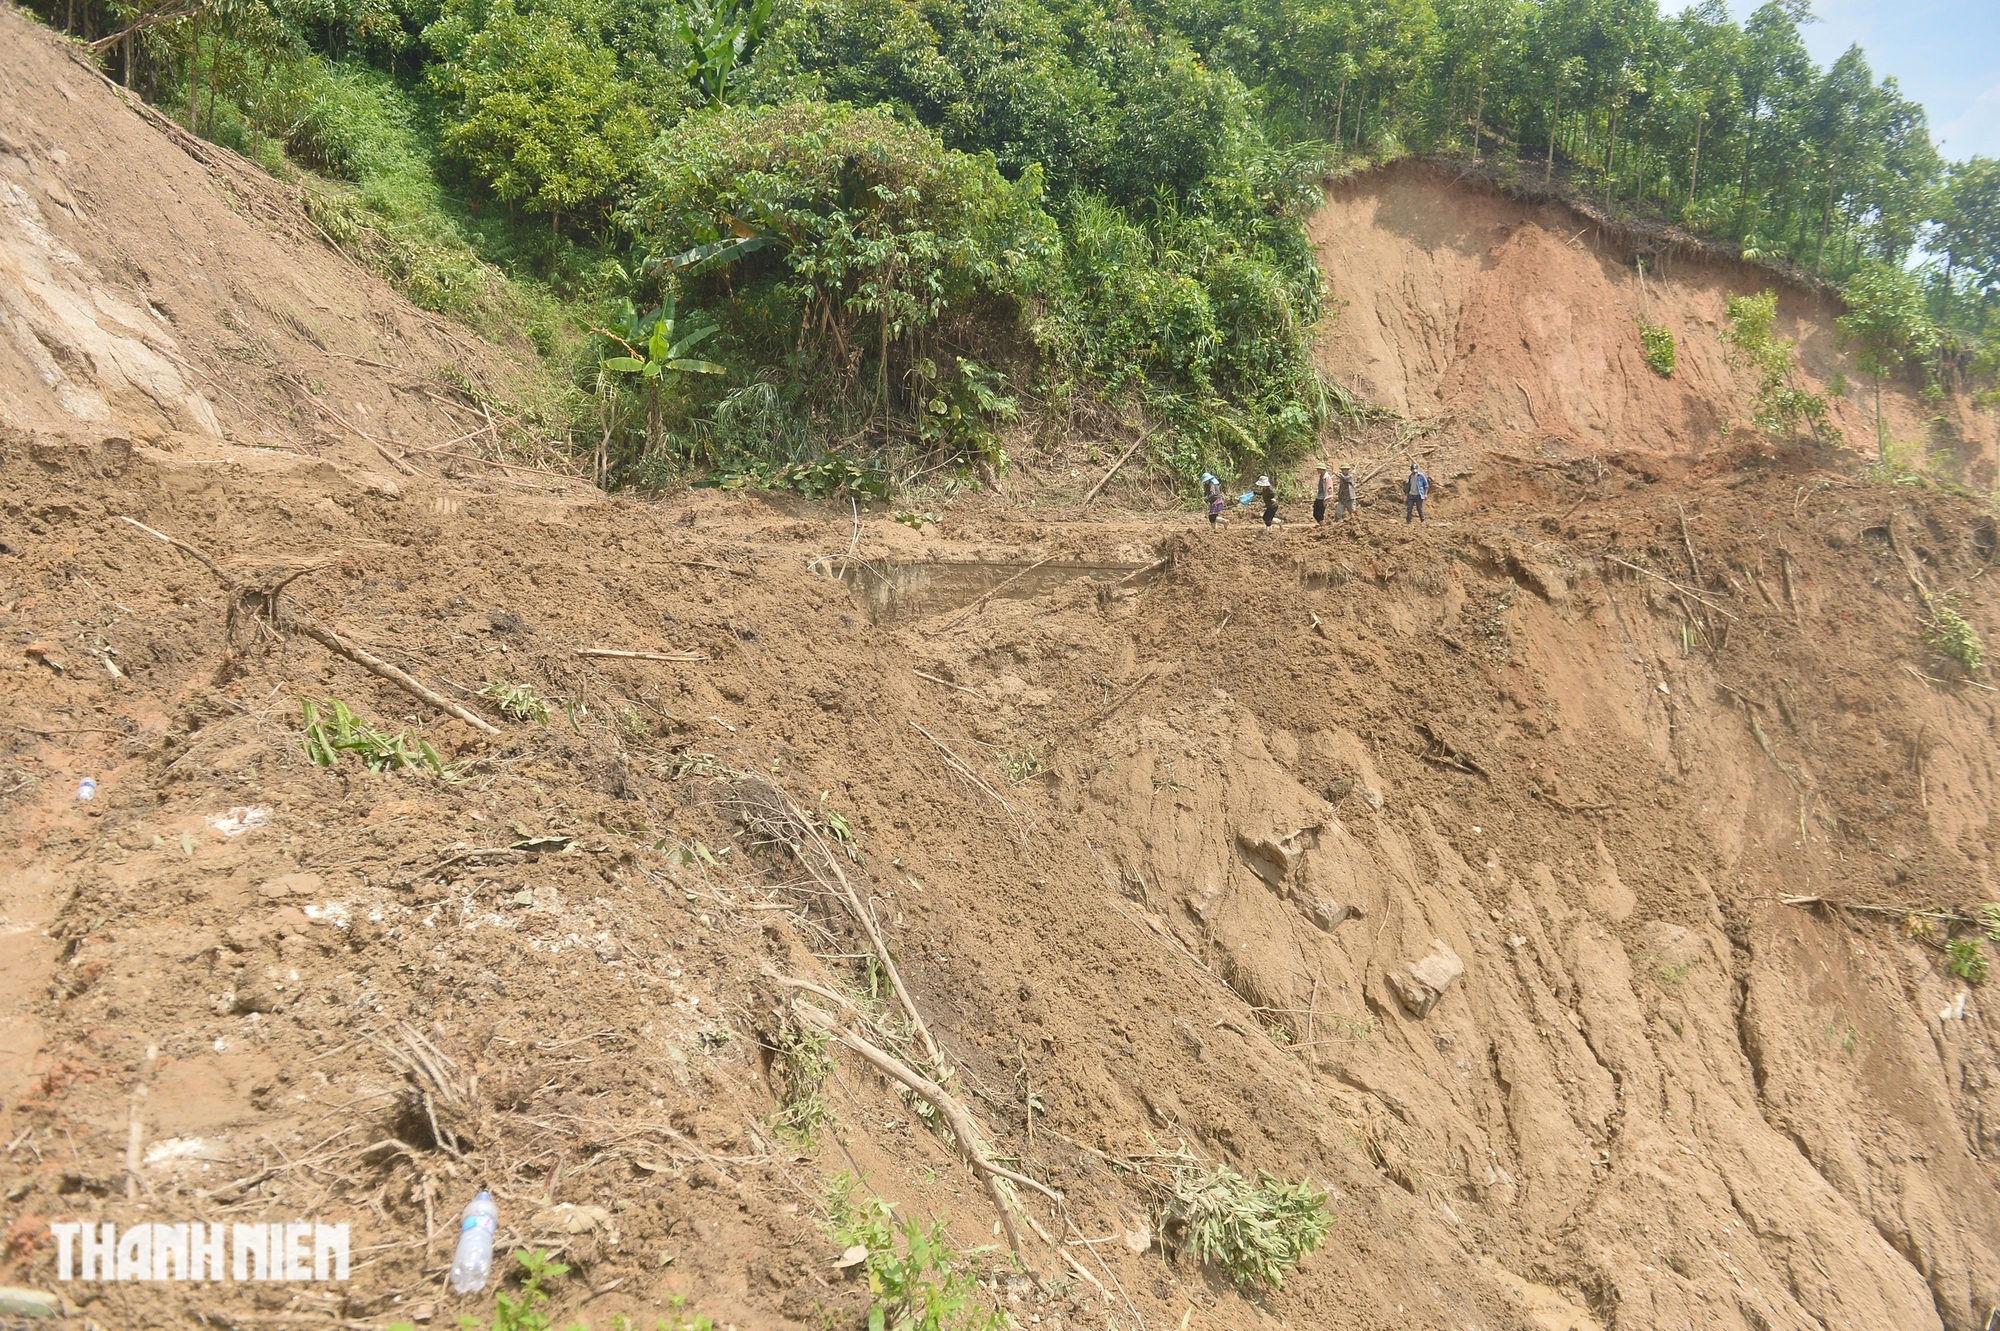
x: 917, y: 1280
x: 1966, y: 959
x: 1950, y: 633
x: 331, y: 729
x: 541, y: 114
x: 1255, y: 1232
x: 1658, y: 340
x: 1780, y: 406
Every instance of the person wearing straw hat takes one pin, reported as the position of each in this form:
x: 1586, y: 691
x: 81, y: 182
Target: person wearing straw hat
x: 1344, y: 497
x: 1319, y: 498
x: 1267, y: 492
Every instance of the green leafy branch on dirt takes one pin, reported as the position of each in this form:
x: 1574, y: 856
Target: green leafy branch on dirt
x: 332, y: 729
x: 1255, y: 1232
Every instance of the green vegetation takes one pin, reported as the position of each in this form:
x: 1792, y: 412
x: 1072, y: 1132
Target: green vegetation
x: 917, y: 1281
x: 912, y: 222
x: 1781, y: 406
x: 331, y: 729
x: 518, y: 702
x: 1255, y: 1232
x: 1658, y: 340
x: 1967, y: 960
x: 1948, y: 631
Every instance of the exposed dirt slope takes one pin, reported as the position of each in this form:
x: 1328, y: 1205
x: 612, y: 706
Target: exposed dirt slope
x: 1656, y: 1087
x: 177, y: 299
x: 1522, y: 322
x: 1273, y: 773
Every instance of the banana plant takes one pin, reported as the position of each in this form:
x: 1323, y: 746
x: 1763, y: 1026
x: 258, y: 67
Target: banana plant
x: 719, y: 36
x: 655, y: 345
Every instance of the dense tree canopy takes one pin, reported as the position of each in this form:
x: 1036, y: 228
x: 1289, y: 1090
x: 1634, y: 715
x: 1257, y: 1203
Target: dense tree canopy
x: 1166, y: 152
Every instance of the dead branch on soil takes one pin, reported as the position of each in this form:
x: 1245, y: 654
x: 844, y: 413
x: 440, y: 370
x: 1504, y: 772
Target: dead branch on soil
x: 963, y: 1129
x: 1684, y: 591
x: 766, y: 807
x: 615, y: 654
x: 1123, y: 458
x: 958, y: 765
x: 260, y: 604
x: 954, y: 621
x: 1895, y: 912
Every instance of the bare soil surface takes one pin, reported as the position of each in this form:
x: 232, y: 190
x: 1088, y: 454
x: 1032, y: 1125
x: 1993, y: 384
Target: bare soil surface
x: 1519, y: 323
x: 1628, y: 736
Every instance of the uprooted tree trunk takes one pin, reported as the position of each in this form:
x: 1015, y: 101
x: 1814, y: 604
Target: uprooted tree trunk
x: 257, y: 603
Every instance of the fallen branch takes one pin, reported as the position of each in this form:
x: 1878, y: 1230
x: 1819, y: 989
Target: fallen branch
x: 780, y: 816
x: 615, y: 654
x: 954, y: 620
x: 948, y: 684
x: 1123, y: 458
x: 964, y: 771
x: 1898, y: 912
x: 263, y: 603
x: 1124, y: 697
x: 963, y: 1129
x: 1684, y: 591
x: 394, y: 461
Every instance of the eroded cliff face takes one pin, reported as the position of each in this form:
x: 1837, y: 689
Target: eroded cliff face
x: 1491, y: 873
x: 1520, y: 322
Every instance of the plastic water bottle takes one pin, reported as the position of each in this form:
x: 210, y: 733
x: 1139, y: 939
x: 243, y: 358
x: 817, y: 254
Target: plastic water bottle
x: 473, y: 1261
x: 86, y: 789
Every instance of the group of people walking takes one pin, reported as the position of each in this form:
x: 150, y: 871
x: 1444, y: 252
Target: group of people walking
x: 1416, y: 488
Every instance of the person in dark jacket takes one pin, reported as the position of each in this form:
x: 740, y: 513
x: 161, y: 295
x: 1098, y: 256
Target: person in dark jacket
x: 1267, y: 492
x: 1211, y: 491
x: 1415, y: 488
x: 1344, y: 500
x: 1319, y: 498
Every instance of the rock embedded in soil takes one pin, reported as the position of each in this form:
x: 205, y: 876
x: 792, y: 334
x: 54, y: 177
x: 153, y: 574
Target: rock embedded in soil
x: 1423, y: 982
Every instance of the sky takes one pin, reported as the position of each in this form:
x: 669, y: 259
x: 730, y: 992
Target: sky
x: 1942, y: 53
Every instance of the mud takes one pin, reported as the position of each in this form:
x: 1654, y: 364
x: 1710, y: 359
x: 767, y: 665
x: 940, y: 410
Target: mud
x: 1625, y: 737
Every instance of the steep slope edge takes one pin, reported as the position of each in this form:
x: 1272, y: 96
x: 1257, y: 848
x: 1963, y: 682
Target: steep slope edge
x: 1521, y: 320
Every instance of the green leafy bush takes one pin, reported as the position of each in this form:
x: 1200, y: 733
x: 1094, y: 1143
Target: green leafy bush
x: 1781, y: 407
x: 1952, y: 634
x: 1967, y: 960
x: 1255, y: 1232
x: 331, y: 730
x: 884, y: 248
x: 540, y: 113
x: 1658, y: 340
x: 917, y: 1281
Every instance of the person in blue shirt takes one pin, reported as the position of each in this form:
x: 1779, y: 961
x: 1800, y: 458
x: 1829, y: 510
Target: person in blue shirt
x: 1415, y: 487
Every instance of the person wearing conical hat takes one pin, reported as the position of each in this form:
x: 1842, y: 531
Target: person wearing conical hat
x: 1319, y: 497
x: 1344, y: 497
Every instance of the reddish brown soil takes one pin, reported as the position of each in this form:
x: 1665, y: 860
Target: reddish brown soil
x: 1519, y: 323
x: 1660, y: 1096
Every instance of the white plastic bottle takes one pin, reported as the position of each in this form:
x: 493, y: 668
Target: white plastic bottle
x: 473, y: 1261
